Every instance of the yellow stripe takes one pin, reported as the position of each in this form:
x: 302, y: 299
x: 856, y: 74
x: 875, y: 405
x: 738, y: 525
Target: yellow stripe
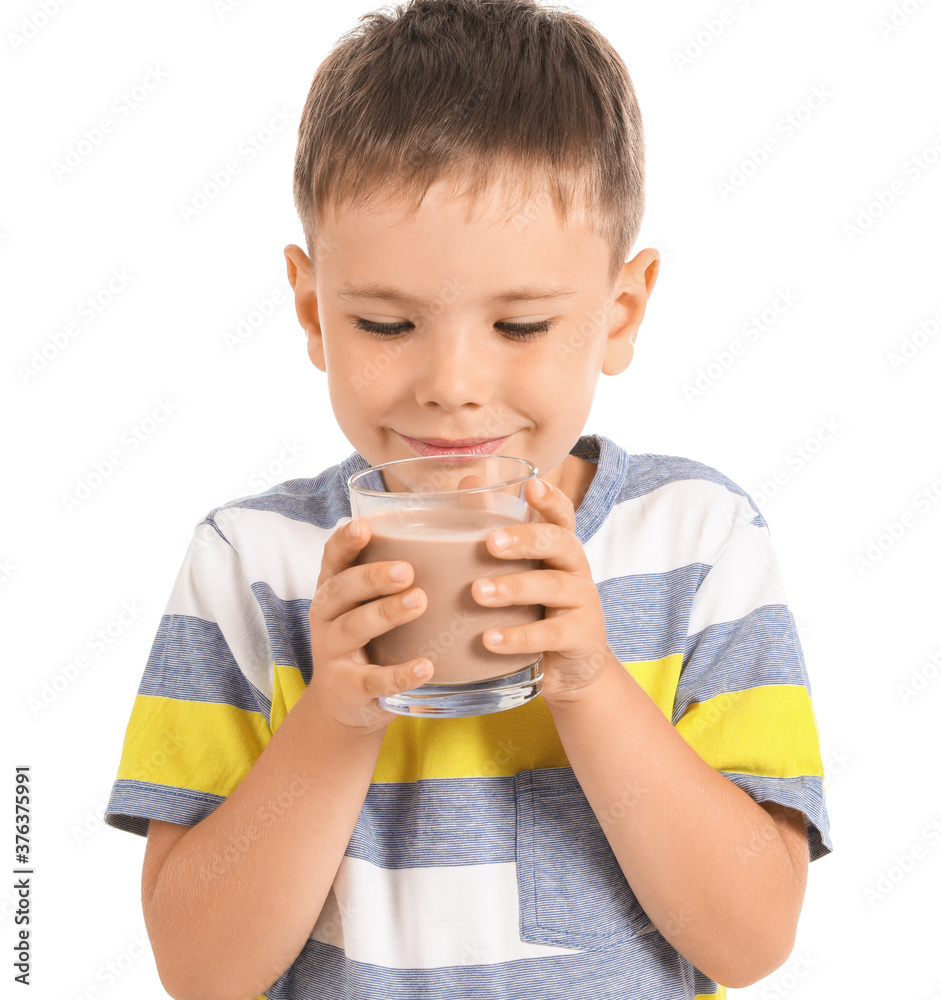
x: 718, y: 995
x: 659, y: 679
x: 191, y: 744
x: 768, y: 730
x: 498, y: 745
x: 287, y: 690
x: 495, y: 745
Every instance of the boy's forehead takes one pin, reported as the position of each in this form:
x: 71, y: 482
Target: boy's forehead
x: 503, y: 197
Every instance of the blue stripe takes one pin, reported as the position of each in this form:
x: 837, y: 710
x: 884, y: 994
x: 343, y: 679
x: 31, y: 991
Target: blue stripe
x: 288, y: 626
x: 191, y: 660
x: 761, y: 648
x: 805, y: 793
x: 650, y: 472
x: 132, y: 803
x: 647, y: 614
x: 437, y: 821
x: 648, y: 968
x: 320, y: 501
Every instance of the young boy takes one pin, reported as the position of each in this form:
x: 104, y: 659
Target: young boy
x: 469, y: 176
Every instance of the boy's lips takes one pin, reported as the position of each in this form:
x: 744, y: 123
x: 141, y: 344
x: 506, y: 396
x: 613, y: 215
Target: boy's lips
x: 442, y: 446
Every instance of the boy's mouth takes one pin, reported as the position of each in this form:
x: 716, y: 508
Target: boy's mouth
x: 441, y: 446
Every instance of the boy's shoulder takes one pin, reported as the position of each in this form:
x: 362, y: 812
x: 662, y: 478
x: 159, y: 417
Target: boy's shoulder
x: 642, y: 479
x: 318, y: 502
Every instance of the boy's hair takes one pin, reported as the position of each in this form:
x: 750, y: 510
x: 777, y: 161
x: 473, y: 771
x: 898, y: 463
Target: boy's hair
x: 460, y: 88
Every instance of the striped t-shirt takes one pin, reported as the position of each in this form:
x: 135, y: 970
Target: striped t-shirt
x: 477, y: 868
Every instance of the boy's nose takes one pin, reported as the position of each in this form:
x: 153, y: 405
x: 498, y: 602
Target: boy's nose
x: 455, y: 371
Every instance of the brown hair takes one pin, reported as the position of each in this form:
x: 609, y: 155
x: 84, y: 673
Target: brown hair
x: 460, y: 87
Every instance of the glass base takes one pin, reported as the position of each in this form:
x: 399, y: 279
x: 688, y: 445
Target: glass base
x: 457, y: 701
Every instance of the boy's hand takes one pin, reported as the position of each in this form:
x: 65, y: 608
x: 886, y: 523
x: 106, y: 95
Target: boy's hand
x: 345, y: 615
x: 572, y: 636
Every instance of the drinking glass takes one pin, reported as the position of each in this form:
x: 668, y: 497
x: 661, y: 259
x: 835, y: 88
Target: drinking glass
x: 435, y: 512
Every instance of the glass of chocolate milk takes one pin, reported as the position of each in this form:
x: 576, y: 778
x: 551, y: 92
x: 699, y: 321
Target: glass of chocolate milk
x: 435, y: 512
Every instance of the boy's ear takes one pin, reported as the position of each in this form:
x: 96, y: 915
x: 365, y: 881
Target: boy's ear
x: 301, y: 276
x: 631, y: 292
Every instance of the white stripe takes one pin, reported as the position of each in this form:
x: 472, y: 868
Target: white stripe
x: 677, y: 524
x: 746, y: 577
x: 284, y: 553
x: 425, y: 918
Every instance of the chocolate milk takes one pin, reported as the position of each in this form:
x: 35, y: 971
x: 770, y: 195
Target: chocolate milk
x: 448, y: 551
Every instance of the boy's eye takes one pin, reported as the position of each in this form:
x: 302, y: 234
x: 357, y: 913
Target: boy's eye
x: 516, y: 331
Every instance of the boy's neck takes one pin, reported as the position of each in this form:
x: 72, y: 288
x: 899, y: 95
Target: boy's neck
x: 577, y: 474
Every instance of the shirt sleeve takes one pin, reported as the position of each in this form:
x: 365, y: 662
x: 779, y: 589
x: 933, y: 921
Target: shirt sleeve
x: 202, y: 712
x: 743, y: 700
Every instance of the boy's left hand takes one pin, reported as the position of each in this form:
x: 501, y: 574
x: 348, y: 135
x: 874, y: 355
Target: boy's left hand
x: 572, y: 636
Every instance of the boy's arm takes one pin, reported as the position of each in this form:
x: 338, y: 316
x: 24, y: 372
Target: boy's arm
x: 230, y: 902
x: 719, y: 876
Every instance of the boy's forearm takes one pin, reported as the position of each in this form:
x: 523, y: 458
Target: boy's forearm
x: 238, y: 895
x: 707, y: 863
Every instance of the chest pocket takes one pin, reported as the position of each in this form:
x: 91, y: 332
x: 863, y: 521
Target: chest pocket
x: 572, y: 890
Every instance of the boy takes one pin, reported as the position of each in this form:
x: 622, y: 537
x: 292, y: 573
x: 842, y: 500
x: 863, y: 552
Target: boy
x: 469, y: 176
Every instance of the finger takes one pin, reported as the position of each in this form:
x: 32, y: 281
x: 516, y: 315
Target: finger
x: 535, y: 637
x: 551, y: 588
x: 555, y: 545
x: 550, y: 502
x: 342, y: 547
x: 354, y: 629
x: 384, y: 682
x: 356, y: 584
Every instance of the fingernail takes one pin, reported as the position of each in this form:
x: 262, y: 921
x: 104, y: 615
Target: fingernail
x: 494, y: 637
x: 500, y: 540
x: 422, y: 669
x: 399, y: 572
x: 354, y: 528
x: 412, y: 599
x: 539, y: 488
x: 486, y: 588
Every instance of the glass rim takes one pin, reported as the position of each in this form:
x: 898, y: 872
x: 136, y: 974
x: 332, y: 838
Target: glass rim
x: 352, y: 485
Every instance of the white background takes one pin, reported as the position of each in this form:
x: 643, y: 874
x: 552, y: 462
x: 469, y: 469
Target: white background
x: 838, y: 442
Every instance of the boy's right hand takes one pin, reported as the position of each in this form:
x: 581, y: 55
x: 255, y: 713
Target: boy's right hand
x: 352, y: 606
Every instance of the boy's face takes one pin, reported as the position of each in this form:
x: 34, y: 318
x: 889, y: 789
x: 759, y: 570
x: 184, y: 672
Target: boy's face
x: 485, y: 333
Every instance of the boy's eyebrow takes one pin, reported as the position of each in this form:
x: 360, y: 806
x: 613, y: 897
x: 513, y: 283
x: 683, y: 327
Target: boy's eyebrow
x: 367, y: 290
